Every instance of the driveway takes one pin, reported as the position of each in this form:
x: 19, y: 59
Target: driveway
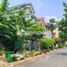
x: 55, y: 59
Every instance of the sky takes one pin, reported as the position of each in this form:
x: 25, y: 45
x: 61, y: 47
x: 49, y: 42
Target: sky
x: 43, y: 8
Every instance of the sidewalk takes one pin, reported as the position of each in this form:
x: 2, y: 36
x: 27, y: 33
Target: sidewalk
x: 5, y: 64
x: 28, y: 59
x: 22, y: 61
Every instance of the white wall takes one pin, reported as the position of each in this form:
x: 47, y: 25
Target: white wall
x: 48, y: 34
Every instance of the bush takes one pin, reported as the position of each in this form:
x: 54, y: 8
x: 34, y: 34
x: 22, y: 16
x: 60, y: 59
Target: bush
x: 1, y: 52
x: 47, y: 44
x: 61, y: 45
x: 65, y: 43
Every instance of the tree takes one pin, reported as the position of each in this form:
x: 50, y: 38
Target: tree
x: 53, y: 24
x: 3, y: 6
x: 15, y: 29
x: 63, y: 25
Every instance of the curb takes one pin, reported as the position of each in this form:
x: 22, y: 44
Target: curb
x: 22, y: 61
x: 27, y: 59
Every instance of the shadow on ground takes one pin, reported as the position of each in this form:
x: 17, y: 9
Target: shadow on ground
x: 62, y: 53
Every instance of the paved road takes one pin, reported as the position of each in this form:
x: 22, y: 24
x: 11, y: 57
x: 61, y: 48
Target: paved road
x: 55, y: 59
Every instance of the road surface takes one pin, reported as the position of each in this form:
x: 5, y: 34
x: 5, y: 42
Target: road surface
x: 54, y: 59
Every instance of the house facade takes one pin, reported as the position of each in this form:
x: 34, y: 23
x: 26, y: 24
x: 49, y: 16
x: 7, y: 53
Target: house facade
x: 27, y: 8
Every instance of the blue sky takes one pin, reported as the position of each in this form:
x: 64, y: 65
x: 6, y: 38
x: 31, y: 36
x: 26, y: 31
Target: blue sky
x: 43, y: 8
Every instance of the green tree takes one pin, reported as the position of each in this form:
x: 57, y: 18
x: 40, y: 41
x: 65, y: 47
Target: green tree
x: 53, y: 24
x: 63, y: 25
x: 3, y: 5
x: 15, y: 29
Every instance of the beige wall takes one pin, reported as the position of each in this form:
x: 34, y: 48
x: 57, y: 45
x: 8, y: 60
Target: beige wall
x: 56, y: 33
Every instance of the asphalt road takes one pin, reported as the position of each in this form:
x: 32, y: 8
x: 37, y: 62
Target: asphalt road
x: 54, y: 59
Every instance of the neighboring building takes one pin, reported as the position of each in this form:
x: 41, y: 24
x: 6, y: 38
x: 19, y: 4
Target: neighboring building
x: 47, y: 33
x: 41, y: 20
x: 28, y: 9
x: 53, y: 33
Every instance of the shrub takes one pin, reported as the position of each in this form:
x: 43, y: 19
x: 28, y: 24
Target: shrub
x: 47, y: 44
x: 1, y: 52
x: 61, y: 45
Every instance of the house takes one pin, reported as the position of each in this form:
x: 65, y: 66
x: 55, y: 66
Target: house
x: 27, y: 8
x: 41, y: 20
x: 56, y: 33
x: 53, y: 33
x: 47, y: 33
x: 29, y: 11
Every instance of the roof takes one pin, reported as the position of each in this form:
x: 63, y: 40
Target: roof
x: 24, y: 6
x: 41, y: 19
